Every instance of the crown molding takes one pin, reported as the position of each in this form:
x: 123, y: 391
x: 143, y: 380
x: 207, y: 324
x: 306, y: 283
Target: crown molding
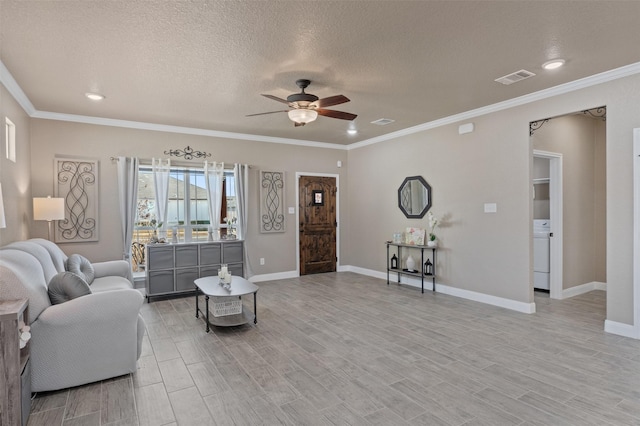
x: 16, y: 91
x: 139, y: 125
x: 12, y: 86
x: 561, y: 89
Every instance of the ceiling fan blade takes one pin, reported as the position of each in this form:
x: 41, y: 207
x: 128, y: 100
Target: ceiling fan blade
x: 263, y: 113
x: 330, y: 101
x: 275, y: 98
x: 337, y: 114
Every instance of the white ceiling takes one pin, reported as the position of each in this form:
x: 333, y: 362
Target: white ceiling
x: 203, y: 65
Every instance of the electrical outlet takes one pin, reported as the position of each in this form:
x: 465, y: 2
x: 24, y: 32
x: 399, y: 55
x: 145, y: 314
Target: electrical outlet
x: 262, y: 260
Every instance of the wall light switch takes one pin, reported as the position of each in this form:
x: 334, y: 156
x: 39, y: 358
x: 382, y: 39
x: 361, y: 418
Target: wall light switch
x: 490, y: 208
x: 292, y: 210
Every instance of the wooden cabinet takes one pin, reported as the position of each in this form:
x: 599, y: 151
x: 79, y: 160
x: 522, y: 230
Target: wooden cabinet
x: 15, y: 392
x: 422, y: 271
x: 172, y: 268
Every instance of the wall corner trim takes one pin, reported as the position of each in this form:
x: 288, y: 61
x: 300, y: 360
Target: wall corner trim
x: 621, y: 329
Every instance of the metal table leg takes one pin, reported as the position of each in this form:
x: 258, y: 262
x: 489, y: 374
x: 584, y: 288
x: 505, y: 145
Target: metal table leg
x: 255, y: 308
x: 206, y: 299
x: 197, y: 302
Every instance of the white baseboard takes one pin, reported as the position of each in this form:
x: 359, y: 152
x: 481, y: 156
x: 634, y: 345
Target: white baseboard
x: 276, y: 276
x: 527, y: 308
x: 621, y: 329
x: 583, y: 288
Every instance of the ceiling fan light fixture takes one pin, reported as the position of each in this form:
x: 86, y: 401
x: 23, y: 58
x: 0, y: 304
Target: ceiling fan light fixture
x: 302, y: 115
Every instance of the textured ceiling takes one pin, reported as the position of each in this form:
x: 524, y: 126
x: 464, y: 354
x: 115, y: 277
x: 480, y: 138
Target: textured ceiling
x: 204, y: 64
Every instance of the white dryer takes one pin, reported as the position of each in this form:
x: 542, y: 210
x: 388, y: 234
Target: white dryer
x: 541, y: 263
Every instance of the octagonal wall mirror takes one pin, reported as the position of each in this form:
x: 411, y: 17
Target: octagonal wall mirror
x: 414, y: 197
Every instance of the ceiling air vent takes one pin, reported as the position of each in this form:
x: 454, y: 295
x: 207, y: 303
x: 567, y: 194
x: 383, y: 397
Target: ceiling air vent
x: 383, y: 121
x: 515, y: 77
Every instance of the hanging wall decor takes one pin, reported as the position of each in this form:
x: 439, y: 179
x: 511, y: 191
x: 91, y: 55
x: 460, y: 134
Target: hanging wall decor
x: 76, y: 181
x: 271, y: 202
x: 188, y: 153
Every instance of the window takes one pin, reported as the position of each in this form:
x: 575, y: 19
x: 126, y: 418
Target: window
x: 187, y: 210
x: 10, y: 138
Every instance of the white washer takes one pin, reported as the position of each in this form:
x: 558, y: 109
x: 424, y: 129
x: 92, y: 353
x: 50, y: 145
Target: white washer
x: 541, y: 232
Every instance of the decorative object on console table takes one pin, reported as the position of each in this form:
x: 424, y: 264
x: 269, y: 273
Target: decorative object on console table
x: 428, y: 267
x: 411, y: 264
x: 77, y: 182
x: 433, y: 223
x: 414, y: 236
x: 15, y: 402
x: 394, y: 262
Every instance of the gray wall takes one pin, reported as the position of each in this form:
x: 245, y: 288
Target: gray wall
x: 492, y: 253
x: 15, y: 177
x: 56, y: 138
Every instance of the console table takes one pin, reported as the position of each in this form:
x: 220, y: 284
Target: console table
x: 15, y: 397
x: 398, y: 248
x: 172, y: 268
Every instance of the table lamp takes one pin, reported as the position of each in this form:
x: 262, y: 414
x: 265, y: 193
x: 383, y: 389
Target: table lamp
x: 48, y: 209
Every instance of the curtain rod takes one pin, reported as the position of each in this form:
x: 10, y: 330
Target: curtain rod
x: 177, y: 163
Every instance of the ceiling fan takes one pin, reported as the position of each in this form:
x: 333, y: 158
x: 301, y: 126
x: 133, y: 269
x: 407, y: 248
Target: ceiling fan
x: 306, y: 107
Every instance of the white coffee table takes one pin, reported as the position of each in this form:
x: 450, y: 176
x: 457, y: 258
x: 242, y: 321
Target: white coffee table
x: 210, y: 287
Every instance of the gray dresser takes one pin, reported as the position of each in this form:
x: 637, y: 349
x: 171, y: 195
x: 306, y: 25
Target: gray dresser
x: 172, y: 268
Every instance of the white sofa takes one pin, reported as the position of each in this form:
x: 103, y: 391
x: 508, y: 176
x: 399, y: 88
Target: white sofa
x: 83, y: 340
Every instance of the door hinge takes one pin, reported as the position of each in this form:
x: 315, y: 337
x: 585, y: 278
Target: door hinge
x: 336, y: 223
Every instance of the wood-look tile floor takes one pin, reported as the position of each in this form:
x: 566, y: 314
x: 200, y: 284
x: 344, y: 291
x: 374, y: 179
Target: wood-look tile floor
x: 341, y: 348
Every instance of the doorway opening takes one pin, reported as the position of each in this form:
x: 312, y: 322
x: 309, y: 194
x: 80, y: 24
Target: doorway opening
x: 572, y: 193
x: 547, y: 207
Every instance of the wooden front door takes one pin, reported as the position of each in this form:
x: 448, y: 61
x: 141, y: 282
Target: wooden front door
x: 317, y: 224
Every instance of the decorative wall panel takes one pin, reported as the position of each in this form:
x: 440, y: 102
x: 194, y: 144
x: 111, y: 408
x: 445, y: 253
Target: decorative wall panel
x: 271, y: 202
x: 76, y: 180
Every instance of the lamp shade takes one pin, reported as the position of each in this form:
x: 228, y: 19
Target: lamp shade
x: 48, y: 208
x: 3, y: 222
x: 303, y: 115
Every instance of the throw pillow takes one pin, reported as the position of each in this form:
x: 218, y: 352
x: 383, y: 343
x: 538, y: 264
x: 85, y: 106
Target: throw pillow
x: 81, y: 266
x: 65, y: 286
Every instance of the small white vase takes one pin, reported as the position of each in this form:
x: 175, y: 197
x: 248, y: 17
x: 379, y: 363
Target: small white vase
x: 411, y: 264
x: 432, y: 243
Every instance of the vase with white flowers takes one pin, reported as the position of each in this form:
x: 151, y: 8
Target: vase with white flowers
x: 433, y: 223
x: 230, y: 221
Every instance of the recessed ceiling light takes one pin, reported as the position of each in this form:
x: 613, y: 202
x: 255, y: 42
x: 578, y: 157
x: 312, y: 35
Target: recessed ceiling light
x: 352, y: 131
x: 94, y: 96
x: 552, y: 65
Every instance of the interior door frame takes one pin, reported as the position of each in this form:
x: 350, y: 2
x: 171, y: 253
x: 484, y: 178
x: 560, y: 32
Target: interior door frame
x: 332, y: 175
x: 636, y: 232
x: 555, y: 216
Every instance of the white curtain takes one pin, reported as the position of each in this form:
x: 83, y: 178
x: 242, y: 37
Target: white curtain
x: 161, y: 172
x: 128, y: 199
x: 241, y: 174
x: 214, y: 177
